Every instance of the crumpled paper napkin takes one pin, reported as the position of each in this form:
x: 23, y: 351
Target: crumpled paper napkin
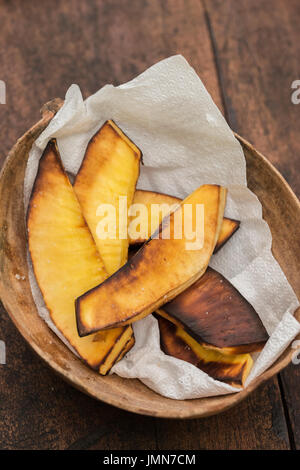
x: 186, y: 142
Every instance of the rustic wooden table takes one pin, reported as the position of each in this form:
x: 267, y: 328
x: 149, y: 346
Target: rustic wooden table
x: 247, y: 54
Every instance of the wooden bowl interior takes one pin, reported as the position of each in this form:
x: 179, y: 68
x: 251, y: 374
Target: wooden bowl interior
x: 280, y: 208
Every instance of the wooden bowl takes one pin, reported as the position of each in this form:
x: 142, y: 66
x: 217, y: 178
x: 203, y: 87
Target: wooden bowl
x: 281, y: 210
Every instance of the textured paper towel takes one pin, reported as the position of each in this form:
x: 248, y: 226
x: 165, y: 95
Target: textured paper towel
x: 185, y: 142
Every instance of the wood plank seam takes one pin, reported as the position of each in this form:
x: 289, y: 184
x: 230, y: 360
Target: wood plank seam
x: 228, y: 117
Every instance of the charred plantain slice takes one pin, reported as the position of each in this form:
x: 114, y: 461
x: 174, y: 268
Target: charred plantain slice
x: 232, y: 369
x: 123, y: 343
x: 108, y: 173
x: 139, y: 228
x: 157, y: 206
x: 228, y: 228
x: 109, y: 170
x: 214, y: 313
x: 65, y: 259
x: 161, y: 269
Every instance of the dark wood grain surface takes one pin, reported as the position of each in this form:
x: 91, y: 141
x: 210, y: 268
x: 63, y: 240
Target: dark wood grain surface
x: 247, y: 54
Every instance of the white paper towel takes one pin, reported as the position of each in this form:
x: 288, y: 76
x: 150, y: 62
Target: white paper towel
x: 186, y: 142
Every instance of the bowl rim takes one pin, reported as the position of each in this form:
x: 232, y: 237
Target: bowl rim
x: 48, y: 112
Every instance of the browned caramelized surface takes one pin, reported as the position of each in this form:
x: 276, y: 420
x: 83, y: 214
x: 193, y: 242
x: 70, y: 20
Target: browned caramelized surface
x: 109, y: 172
x: 232, y: 369
x: 147, y: 198
x: 158, y: 272
x: 216, y: 314
x: 228, y: 228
